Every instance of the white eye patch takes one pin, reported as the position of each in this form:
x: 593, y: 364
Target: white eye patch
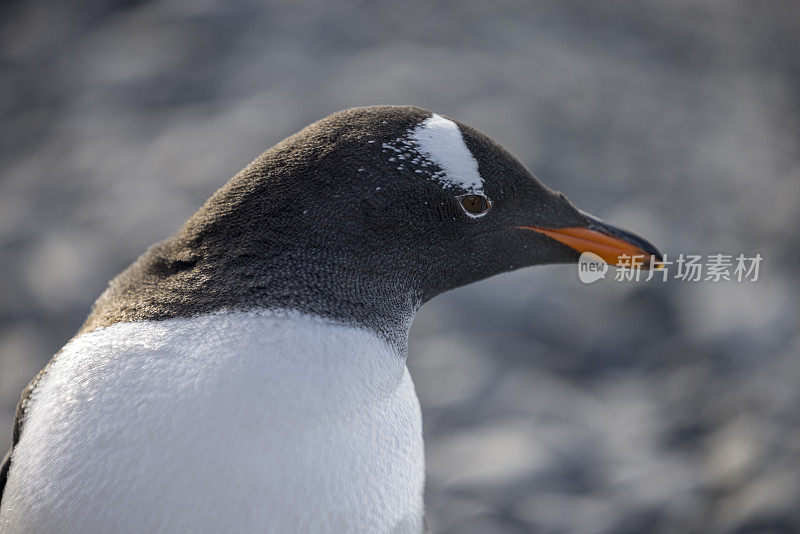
x: 438, y: 141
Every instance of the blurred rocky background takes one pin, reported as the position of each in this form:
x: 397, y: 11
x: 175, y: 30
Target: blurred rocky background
x: 550, y: 406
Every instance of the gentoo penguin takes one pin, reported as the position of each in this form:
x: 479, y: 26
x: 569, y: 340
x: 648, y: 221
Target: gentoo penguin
x: 248, y: 374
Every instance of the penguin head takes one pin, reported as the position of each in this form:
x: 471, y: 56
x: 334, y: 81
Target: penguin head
x: 362, y: 216
x: 414, y: 198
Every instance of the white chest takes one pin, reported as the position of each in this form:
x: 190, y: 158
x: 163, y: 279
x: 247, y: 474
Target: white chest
x: 236, y: 422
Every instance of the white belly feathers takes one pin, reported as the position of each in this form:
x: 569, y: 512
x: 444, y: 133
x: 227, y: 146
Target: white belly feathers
x: 231, y: 422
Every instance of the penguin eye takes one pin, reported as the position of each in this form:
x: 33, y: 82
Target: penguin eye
x: 474, y: 205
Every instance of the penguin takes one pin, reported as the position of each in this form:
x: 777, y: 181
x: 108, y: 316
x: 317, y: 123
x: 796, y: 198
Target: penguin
x: 248, y: 374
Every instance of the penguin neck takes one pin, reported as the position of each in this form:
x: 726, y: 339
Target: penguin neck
x: 375, y: 299
x: 167, y: 282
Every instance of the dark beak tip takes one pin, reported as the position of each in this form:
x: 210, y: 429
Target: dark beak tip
x: 634, y: 239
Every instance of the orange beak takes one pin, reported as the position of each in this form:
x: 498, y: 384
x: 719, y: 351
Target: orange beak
x: 622, y: 249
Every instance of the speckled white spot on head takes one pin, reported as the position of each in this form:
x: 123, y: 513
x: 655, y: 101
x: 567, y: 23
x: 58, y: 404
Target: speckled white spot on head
x: 440, y: 140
